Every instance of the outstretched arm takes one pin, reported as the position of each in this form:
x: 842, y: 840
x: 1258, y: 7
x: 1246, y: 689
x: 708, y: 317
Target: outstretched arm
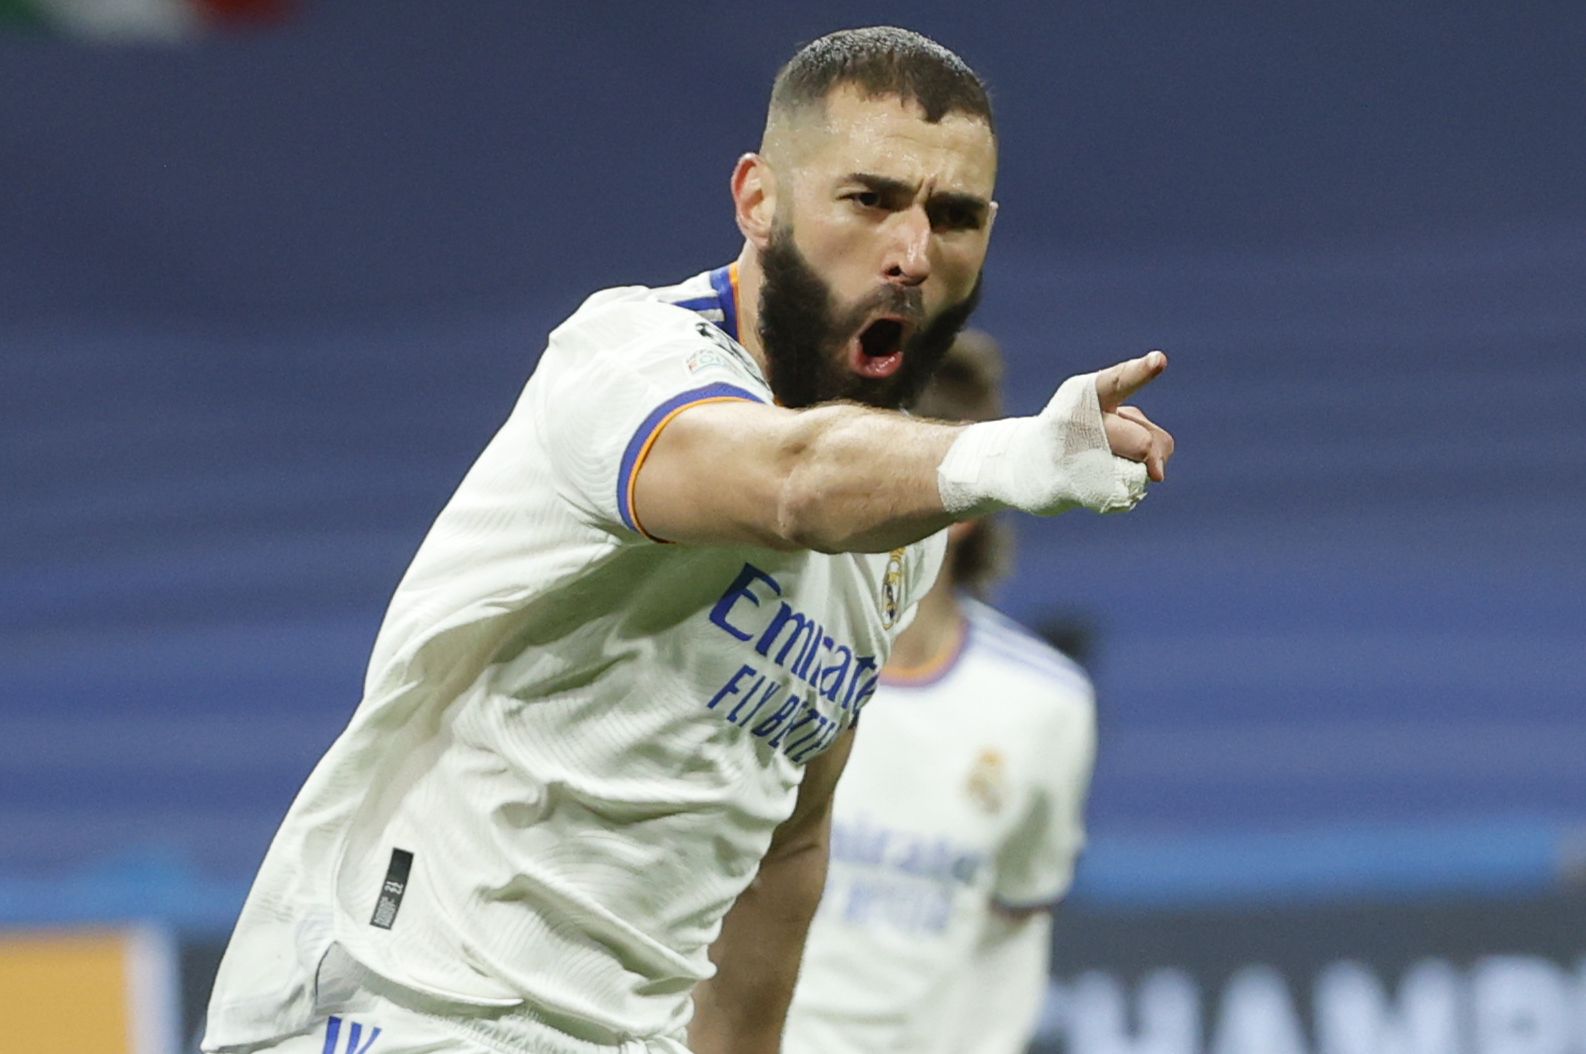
x: 741, y: 1009
x: 846, y: 478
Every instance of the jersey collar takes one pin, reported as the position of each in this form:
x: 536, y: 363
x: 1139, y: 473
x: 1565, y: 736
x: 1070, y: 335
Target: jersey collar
x: 724, y: 280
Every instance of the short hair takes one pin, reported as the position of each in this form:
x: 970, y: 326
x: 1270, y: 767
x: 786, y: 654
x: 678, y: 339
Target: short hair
x: 882, y: 61
x: 967, y: 386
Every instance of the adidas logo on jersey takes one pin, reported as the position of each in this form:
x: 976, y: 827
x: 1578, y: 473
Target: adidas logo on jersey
x: 357, y: 1042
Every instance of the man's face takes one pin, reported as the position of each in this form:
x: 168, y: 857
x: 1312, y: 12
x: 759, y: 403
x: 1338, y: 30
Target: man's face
x: 874, y: 265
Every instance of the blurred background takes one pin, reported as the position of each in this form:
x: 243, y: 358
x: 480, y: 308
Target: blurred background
x: 271, y: 274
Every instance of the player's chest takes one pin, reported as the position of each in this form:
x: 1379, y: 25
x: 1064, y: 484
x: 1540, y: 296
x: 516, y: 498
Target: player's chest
x: 947, y: 761
x: 787, y: 648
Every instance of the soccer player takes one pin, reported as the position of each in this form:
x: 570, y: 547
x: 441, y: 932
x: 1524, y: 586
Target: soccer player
x: 959, y: 814
x: 614, y: 689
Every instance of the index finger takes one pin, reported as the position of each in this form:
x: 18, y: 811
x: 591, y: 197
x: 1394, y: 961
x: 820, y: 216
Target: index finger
x: 1117, y: 383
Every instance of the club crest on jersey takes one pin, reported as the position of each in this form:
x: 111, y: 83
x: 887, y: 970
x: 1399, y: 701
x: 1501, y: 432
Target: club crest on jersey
x: 988, y: 781
x: 892, y: 590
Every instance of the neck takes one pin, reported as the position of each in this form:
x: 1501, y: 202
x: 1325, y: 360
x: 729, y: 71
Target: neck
x: 750, y: 280
x: 931, y: 638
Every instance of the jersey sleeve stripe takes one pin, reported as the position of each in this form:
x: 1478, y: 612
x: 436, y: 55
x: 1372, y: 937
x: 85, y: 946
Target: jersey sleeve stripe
x: 1015, y: 640
x: 644, y: 438
x: 1021, y: 642
x: 1037, y: 663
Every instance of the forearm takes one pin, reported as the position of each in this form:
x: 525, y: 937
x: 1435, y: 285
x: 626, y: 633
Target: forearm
x: 861, y: 480
x: 741, y: 1009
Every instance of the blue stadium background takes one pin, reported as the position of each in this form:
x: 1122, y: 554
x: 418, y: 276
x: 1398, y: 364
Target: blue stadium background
x: 263, y: 297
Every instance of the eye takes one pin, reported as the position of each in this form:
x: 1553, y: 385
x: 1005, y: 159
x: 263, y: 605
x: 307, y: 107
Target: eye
x: 955, y: 218
x: 865, y: 199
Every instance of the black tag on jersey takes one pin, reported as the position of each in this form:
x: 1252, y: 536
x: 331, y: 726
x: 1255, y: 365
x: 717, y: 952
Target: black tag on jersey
x: 391, y: 890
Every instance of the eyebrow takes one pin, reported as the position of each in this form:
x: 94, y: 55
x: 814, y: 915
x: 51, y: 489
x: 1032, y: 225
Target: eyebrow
x: 898, y: 188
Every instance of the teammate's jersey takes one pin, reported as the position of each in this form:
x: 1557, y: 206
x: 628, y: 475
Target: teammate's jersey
x: 965, y: 790
x: 575, y: 741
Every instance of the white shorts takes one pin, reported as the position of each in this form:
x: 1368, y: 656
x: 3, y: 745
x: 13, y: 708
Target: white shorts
x: 355, y: 1008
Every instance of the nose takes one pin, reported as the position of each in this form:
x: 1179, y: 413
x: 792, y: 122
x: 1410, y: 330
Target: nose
x: 908, y: 260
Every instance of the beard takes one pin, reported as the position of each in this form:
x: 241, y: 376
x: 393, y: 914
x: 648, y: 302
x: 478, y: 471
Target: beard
x: 805, y: 333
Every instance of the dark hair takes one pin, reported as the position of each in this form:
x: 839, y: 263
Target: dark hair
x: 882, y: 61
x: 967, y: 386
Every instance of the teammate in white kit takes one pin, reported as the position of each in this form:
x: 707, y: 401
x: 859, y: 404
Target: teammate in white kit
x: 613, y: 691
x: 959, y: 815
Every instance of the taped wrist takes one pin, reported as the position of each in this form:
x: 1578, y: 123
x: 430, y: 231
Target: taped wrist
x: 1057, y: 460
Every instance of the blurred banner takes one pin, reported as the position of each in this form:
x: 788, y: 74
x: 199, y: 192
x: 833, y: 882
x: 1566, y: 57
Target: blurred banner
x: 1455, y: 977
x: 98, y: 991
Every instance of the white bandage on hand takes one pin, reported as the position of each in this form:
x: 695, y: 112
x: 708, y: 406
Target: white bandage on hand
x: 1058, y: 460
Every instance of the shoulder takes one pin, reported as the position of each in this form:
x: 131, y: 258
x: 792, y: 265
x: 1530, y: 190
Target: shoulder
x: 660, y: 335
x: 625, y: 315
x: 1041, y: 697
x: 1019, y: 653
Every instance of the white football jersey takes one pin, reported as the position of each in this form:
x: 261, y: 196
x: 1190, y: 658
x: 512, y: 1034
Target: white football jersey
x: 574, y: 741
x: 965, y: 791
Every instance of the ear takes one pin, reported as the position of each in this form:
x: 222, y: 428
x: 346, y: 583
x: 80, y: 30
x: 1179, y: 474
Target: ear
x: 991, y: 217
x: 754, y: 198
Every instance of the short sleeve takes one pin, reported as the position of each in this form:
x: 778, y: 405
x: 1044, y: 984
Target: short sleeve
x: 615, y: 376
x: 1036, y: 865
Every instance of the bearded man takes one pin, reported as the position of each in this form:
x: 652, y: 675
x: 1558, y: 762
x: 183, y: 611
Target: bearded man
x: 584, y: 803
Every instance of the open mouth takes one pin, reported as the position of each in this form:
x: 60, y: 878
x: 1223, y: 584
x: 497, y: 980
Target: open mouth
x: 878, y: 349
